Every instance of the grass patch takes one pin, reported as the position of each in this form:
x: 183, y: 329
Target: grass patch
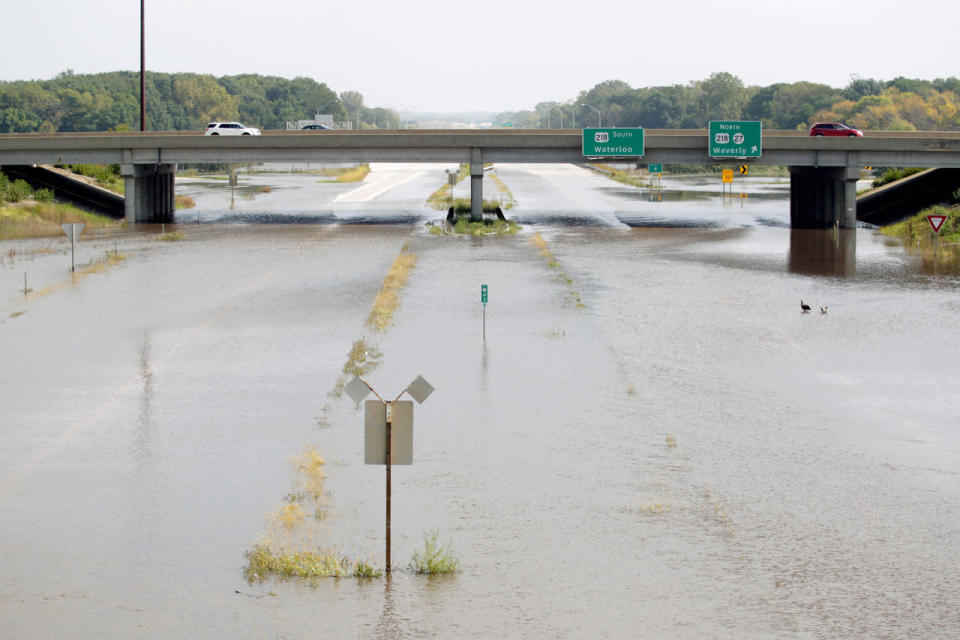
x: 262, y: 562
x: 434, y: 557
x: 310, y: 467
x: 506, y: 196
x: 172, y: 236
x: 346, y: 174
x: 264, y: 189
x: 571, y: 296
x: 624, y: 177
x: 184, y: 202
x: 105, y: 175
x: 362, y: 359
x: 388, y: 300
x: 893, y: 174
x: 917, y: 227
x: 465, y: 226
x: 440, y: 199
x: 38, y: 219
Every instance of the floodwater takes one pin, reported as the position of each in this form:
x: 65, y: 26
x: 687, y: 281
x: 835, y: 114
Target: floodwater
x: 653, y: 441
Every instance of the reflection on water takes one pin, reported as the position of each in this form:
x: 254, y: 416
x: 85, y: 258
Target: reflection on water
x: 823, y: 252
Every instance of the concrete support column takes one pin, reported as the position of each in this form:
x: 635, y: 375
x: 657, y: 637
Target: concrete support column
x: 476, y: 185
x: 148, y: 192
x: 823, y: 196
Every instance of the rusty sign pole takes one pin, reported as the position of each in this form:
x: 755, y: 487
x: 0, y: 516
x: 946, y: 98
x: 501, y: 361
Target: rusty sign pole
x: 419, y: 390
x: 389, y: 461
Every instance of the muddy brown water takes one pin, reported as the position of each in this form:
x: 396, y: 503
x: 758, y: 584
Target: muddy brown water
x: 653, y: 441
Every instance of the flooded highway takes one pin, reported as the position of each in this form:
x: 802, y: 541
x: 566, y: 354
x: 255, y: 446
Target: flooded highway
x: 653, y: 441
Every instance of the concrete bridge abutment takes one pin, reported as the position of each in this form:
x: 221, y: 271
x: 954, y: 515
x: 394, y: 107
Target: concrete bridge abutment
x: 821, y: 197
x: 148, y: 192
x: 476, y: 185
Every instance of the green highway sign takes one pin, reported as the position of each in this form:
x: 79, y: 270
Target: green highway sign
x: 655, y: 168
x: 483, y: 293
x: 612, y: 142
x: 729, y: 139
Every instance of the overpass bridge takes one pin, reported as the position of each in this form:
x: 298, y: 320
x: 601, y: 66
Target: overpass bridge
x: 823, y: 170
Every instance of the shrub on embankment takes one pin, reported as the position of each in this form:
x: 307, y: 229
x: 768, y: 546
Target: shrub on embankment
x: 918, y: 228
x: 25, y: 213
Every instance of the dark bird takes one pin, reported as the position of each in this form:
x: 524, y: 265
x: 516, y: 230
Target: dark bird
x: 823, y: 310
x: 804, y: 308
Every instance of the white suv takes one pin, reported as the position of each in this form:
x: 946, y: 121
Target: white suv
x: 230, y: 129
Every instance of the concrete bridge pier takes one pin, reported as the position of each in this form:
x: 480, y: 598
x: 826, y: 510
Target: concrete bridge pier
x: 148, y: 192
x: 823, y: 196
x: 476, y: 185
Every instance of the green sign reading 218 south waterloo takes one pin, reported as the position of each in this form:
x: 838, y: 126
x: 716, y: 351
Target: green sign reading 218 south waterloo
x: 612, y: 142
x: 735, y: 139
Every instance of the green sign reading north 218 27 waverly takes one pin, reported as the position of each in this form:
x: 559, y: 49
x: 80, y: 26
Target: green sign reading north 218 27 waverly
x: 735, y: 139
x: 612, y: 142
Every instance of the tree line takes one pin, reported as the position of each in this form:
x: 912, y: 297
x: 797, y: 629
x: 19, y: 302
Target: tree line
x: 174, y: 101
x: 901, y: 104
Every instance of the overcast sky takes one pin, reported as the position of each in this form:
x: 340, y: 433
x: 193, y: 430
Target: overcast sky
x: 492, y: 55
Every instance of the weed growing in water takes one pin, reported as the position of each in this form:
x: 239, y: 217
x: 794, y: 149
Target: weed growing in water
x: 263, y: 562
x: 388, y: 300
x: 435, y: 557
x: 362, y: 359
x: 653, y: 507
x: 289, y: 516
x: 310, y: 469
x: 464, y: 226
x: 671, y: 442
x: 173, y: 236
x: 363, y: 569
x: 571, y: 296
x: 184, y: 202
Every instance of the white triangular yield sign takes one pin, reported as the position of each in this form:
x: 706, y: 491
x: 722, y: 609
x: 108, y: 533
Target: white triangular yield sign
x: 936, y: 221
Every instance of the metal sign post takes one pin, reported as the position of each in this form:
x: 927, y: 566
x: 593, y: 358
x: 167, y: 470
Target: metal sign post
x: 388, y: 432
x: 73, y: 231
x: 936, y: 223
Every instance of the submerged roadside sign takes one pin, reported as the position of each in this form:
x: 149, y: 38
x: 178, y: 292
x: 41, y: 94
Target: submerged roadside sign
x: 612, y: 142
x: 734, y: 139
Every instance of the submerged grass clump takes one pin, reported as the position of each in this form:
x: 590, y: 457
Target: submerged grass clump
x: 262, y: 562
x: 172, y: 236
x: 184, y: 202
x: 388, y: 300
x: 346, y: 174
x: 434, y: 557
x: 310, y: 468
x: 362, y: 359
x: 293, y: 546
x: 464, y: 226
x: 571, y: 296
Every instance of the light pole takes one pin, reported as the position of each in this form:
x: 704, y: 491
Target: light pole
x: 143, y: 66
x: 384, y: 422
x: 599, y: 123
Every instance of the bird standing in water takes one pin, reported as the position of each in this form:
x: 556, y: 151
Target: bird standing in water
x: 823, y: 310
x: 804, y: 308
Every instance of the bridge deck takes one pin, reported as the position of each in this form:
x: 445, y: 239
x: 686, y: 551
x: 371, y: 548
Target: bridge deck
x: 793, y: 148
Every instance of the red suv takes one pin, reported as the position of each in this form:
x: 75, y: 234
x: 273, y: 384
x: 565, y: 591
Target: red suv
x: 834, y: 129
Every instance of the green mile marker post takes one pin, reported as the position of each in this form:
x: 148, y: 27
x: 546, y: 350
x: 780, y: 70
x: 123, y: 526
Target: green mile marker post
x: 483, y: 301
